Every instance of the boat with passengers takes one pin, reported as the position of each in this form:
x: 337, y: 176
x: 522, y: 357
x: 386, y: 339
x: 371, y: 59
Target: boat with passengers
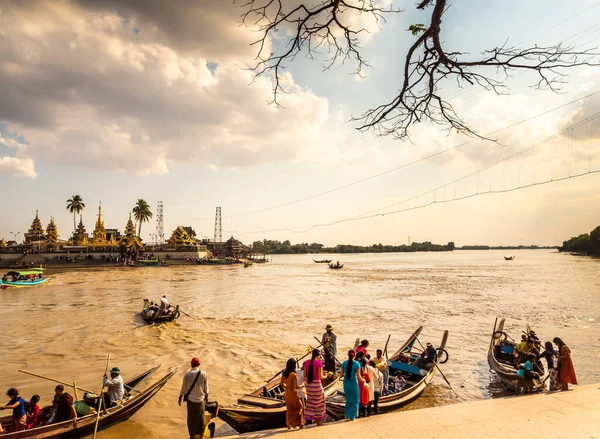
x: 23, y: 278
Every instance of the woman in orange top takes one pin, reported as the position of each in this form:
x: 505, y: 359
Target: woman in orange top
x: 566, y: 371
x: 289, y: 381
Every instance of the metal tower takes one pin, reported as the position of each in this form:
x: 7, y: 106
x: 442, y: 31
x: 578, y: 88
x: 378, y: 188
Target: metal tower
x: 218, y: 229
x: 160, y: 228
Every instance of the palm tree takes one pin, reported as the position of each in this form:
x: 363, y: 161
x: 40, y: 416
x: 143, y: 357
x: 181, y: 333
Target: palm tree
x: 142, y: 214
x: 75, y: 205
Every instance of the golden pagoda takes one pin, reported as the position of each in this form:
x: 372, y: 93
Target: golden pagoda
x: 36, y: 231
x: 99, y: 231
x: 180, y: 237
x: 130, y: 240
x: 3, y: 243
x: 51, y: 236
x: 81, y: 237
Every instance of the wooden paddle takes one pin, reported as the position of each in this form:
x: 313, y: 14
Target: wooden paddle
x: 338, y: 361
x: 386, y: 345
x: 54, y: 380
x: 101, y: 399
x: 438, y: 368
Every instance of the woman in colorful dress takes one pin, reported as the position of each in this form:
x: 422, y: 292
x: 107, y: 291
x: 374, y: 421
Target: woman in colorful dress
x: 566, y: 371
x: 350, y: 375
x: 315, y: 396
x: 363, y: 389
x: 293, y: 405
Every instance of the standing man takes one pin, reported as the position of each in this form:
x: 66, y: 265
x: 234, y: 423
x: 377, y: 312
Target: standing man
x: 329, y: 341
x: 382, y: 367
x: 116, y: 390
x: 164, y: 304
x: 194, y: 391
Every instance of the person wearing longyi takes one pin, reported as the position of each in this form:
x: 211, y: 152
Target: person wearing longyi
x: 194, y: 391
x: 329, y: 342
x: 116, y: 390
x: 17, y: 404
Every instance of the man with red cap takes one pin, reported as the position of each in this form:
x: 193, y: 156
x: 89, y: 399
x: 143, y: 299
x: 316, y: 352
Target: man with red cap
x: 194, y: 391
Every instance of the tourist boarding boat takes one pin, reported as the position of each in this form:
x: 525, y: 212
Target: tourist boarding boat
x: 501, y: 358
x: 132, y: 401
x: 264, y: 408
x: 401, y: 369
x: 23, y: 278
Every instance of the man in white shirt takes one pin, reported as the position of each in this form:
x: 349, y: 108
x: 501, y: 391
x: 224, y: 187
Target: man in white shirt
x: 382, y: 366
x: 194, y: 390
x: 116, y: 390
x: 164, y: 303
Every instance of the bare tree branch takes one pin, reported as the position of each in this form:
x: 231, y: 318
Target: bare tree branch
x: 320, y: 26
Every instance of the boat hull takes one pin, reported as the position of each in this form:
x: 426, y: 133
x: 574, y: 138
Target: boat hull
x: 336, y: 405
x: 85, y: 424
x: 19, y: 284
x: 507, y: 374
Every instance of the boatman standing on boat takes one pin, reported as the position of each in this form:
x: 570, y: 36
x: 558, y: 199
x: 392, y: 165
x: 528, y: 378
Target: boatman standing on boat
x: 194, y: 391
x: 116, y: 390
x: 164, y: 303
x: 329, y: 341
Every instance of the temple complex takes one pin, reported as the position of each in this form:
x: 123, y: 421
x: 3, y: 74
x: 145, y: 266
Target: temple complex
x: 100, y: 237
x: 36, y: 231
x: 81, y: 237
x: 52, y: 236
x: 181, y: 238
x: 130, y: 241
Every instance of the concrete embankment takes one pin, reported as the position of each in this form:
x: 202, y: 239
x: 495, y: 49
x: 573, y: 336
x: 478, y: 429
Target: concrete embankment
x: 572, y: 414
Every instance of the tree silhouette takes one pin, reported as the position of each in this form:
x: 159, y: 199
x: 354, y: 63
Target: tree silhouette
x: 322, y: 28
x: 142, y: 214
x: 75, y: 205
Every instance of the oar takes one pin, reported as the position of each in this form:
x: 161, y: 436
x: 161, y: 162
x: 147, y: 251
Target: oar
x: 338, y: 361
x: 101, y: 399
x: 283, y: 370
x: 440, y: 370
x: 54, y: 380
x: 386, y: 345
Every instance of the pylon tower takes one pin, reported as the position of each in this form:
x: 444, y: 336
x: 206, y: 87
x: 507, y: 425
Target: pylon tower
x: 218, y: 229
x: 160, y: 227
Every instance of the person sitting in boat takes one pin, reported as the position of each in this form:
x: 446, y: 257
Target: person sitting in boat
x: 427, y: 359
x: 17, y: 405
x: 524, y: 349
x: 63, y: 402
x: 116, y: 390
x: 32, y: 411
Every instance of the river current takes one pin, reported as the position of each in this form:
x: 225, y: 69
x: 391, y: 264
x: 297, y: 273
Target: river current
x: 248, y: 321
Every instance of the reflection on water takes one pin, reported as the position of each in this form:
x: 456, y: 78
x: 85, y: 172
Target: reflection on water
x: 247, y: 322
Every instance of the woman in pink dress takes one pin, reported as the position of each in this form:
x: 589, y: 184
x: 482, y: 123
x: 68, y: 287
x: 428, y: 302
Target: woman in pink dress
x: 363, y: 389
x: 315, y: 396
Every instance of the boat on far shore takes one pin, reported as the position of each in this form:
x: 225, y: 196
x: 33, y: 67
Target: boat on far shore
x: 147, y: 263
x: 322, y: 261
x: 508, y: 258
x: 23, y: 278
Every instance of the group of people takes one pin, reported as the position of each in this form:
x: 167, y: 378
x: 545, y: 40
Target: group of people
x: 28, y: 414
x: 528, y: 356
x: 365, y: 379
x: 164, y: 308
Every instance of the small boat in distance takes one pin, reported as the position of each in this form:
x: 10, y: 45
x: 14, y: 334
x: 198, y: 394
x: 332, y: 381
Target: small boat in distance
x: 152, y: 313
x: 23, y: 278
x: 322, y: 261
x: 147, y: 263
x: 508, y: 258
x: 336, y: 266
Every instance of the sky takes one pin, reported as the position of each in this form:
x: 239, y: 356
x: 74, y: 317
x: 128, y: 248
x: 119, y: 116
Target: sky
x: 120, y: 100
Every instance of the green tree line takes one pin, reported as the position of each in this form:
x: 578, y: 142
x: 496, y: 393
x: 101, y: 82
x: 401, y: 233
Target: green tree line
x: 277, y: 247
x: 587, y: 243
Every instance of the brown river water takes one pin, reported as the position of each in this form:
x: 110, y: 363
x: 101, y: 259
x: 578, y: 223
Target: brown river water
x: 248, y: 321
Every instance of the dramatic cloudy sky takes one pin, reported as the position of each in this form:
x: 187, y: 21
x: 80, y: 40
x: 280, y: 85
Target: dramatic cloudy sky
x: 120, y: 100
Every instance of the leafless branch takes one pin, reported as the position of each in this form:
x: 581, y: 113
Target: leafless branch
x: 320, y: 26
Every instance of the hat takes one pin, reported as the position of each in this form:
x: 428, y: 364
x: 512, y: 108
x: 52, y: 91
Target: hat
x: 429, y: 344
x: 328, y: 328
x: 115, y: 370
x: 195, y: 361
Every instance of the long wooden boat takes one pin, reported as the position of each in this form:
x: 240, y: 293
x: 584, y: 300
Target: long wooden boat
x: 23, y: 278
x: 322, y: 261
x: 264, y: 408
x: 216, y: 261
x: 508, y: 258
x: 151, y: 318
x: 148, y: 263
x: 501, y: 359
x: 335, y: 266
x: 400, y: 365
x: 84, y: 426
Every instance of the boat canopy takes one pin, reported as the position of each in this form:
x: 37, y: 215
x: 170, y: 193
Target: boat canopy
x: 34, y: 271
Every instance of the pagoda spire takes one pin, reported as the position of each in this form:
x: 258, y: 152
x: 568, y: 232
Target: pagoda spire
x: 99, y: 230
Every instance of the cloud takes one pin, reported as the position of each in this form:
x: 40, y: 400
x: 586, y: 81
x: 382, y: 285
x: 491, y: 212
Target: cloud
x: 132, y: 86
x: 17, y: 167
